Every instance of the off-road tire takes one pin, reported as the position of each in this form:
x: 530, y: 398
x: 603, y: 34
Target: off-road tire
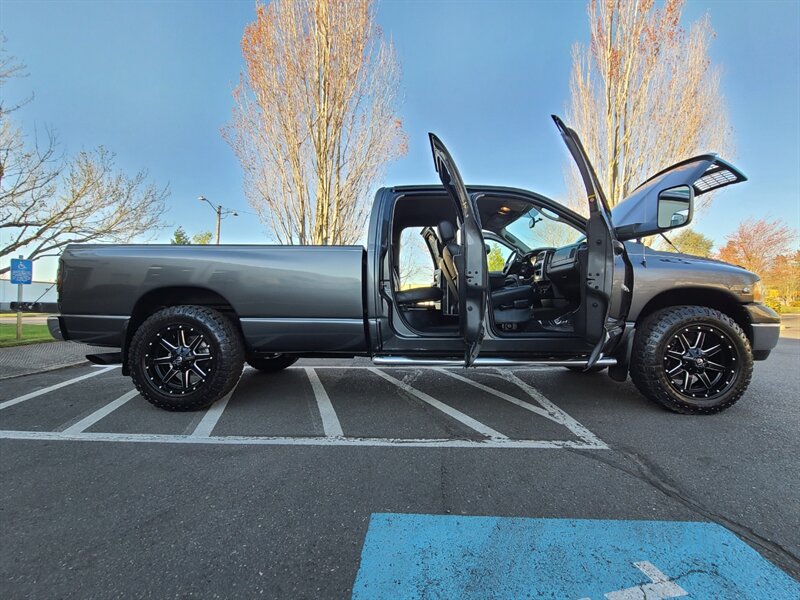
x: 271, y: 364
x: 224, y: 342
x: 648, y: 359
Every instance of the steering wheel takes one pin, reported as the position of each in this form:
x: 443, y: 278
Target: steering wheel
x: 517, y: 258
x: 512, y: 258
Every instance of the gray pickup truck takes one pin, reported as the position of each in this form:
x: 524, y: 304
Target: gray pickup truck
x: 582, y: 293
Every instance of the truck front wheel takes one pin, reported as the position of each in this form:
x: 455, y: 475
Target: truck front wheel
x: 185, y: 357
x: 691, y: 359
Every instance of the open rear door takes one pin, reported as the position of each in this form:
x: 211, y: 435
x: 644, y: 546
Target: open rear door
x: 594, y: 319
x: 471, y: 262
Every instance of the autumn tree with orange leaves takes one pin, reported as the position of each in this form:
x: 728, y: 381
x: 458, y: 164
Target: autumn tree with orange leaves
x: 644, y: 94
x: 315, y: 120
x: 758, y: 245
x: 785, y: 279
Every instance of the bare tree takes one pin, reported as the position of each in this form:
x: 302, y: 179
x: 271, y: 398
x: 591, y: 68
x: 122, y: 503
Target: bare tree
x: 10, y: 67
x: 89, y: 201
x: 416, y: 266
x: 756, y: 245
x: 47, y: 203
x: 315, y: 120
x: 644, y: 94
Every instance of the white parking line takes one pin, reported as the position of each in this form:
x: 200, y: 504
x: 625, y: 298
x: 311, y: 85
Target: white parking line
x: 57, y: 386
x: 556, y: 413
x: 210, y: 419
x: 521, y: 403
x: 330, y: 422
x: 549, y: 410
x: 289, y: 441
x: 448, y: 410
x: 93, y: 418
x: 333, y: 435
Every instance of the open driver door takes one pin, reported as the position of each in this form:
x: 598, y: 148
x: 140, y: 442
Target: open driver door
x: 471, y: 261
x: 594, y: 319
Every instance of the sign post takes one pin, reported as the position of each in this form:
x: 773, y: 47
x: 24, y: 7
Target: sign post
x: 21, y: 274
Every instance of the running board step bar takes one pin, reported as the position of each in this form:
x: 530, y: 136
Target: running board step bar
x: 407, y: 361
x: 109, y: 358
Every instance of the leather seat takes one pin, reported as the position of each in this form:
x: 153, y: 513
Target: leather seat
x: 511, y: 306
x: 450, y: 249
x: 416, y: 295
x: 508, y: 295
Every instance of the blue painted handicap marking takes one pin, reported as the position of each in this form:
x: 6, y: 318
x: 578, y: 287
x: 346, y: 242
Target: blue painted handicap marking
x: 438, y: 556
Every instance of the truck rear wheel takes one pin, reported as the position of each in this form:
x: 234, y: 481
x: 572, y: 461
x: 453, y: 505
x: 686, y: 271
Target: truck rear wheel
x: 691, y: 360
x: 185, y: 357
x: 270, y: 363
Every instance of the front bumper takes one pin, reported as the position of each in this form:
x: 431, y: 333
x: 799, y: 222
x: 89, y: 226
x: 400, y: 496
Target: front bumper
x: 765, y: 326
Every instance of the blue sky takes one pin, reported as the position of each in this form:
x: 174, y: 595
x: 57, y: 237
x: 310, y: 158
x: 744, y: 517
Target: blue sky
x: 152, y: 81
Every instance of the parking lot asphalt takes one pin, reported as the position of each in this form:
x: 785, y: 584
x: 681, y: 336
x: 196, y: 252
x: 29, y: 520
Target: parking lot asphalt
x: 271, y: 491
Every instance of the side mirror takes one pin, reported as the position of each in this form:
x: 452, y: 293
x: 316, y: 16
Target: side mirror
x: 675, y: 207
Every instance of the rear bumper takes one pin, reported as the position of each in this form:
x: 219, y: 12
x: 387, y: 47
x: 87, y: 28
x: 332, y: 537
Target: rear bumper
x: 97, y: 330
x: 54, y: 325
x: 765, y: 326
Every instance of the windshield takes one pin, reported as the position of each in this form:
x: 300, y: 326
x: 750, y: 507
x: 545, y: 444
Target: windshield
x: 539, y: 228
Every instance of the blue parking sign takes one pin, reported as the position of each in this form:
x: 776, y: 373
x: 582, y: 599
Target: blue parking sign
x: 448, y: 556
x: 21, y: 271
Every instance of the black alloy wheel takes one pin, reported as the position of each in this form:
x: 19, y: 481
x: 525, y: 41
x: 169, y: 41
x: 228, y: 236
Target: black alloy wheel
x: 186, y: 357
x: 179, y: 359
x: 691, y: 359
x: 700, y: 362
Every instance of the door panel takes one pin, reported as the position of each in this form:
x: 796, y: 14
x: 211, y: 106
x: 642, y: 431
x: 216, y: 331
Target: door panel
x: 597, y: 271
x: 471, y: 260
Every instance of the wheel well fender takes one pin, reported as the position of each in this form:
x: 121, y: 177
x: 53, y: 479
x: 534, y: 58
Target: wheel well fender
x: 720, y: 300
x: 164, y: 297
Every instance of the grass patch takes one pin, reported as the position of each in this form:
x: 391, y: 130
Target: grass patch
x: 31, y: 334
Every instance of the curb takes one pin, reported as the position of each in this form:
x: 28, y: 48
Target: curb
x: 46, y: 370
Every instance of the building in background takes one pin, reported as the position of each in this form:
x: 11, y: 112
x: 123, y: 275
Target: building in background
x: 41, y: 291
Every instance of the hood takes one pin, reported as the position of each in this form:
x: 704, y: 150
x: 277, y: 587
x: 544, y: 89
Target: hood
x: 636, y: 215
x: 700, y: 262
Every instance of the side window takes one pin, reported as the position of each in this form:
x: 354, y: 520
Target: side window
x: 415, y: 265
x: 498, y: 254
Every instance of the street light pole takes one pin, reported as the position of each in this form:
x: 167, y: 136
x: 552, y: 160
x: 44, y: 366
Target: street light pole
x: 221, y: 212
x: 219, y: 220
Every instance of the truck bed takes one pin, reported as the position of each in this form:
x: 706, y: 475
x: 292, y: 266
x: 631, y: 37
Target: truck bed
x: 287, y: 298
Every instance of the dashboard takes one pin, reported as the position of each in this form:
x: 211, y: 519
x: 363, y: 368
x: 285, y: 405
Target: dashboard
x: 548, y: 267
x: 564, y: 259
x: 542, y: 263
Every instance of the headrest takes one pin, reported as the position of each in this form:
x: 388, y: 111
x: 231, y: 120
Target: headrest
x: 447, y: 232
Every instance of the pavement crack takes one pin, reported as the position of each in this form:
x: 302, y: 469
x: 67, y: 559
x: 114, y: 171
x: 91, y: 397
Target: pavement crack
x: 443, y: 481
x: 653, y: 475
